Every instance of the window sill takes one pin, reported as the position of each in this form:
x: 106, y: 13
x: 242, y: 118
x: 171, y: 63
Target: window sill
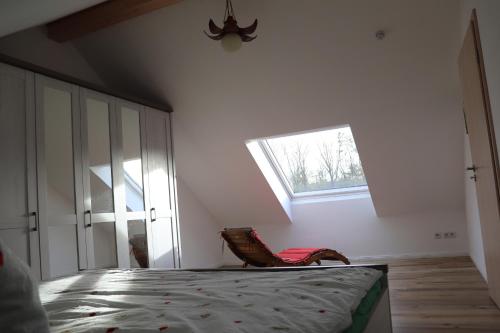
x: 359, y: 192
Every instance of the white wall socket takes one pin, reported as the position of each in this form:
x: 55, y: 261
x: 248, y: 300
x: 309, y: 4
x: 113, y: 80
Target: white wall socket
x: 450, y: 234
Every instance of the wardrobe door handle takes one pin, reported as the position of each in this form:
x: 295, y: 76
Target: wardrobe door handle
x: 153, y: 214
x: 34, y: 214
x: 89, y: 213
x: 472, y: 168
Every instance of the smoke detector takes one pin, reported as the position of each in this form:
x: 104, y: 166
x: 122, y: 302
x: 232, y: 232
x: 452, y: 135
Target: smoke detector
x: 380, y: 34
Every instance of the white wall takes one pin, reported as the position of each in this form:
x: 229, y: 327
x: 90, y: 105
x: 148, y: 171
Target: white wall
x: 310, y: 67
x: 353, y: 228
x: 33, y: 46
x: 489, y: 29
x: 200, y: 239
x: 475, y: 237
x: 16, y: 15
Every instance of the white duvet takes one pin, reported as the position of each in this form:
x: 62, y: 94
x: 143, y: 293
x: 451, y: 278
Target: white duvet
x: 185, y: 301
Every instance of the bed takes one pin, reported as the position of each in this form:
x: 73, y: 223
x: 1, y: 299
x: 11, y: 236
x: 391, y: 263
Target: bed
x: 350, y: 299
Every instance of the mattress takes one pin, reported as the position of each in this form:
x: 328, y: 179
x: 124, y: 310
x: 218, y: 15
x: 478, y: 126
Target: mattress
x: 218, y: 301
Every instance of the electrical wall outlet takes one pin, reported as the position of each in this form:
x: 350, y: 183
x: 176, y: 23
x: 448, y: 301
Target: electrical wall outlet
x: 450, y: 234
x: 438, y: 235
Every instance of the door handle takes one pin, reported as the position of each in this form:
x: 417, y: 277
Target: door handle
x: 472, y: 168
x: 89, y: 213
x: 153, y: 214
x: 34, y: 214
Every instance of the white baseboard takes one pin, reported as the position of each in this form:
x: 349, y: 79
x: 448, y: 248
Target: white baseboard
x: 410, y: 256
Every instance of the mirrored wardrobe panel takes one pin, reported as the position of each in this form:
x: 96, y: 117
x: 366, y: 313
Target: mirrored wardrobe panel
x: 133, y: 176
x: 98, y: 179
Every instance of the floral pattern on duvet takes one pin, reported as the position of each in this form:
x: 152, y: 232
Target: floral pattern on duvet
x: 185, y: 301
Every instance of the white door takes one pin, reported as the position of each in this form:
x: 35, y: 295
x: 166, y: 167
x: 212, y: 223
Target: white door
x: 103, y: 191
x: 160, y: 194
x: 483, y: 150
x: 62, y: 240
x: 18, y: 199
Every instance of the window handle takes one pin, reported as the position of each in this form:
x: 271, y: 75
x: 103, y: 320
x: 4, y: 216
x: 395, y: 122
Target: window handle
x: 89, y: 213
x: 153, y: 214
x: 34, y: 214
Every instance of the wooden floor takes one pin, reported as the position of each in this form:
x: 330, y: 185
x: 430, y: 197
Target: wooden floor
x: 440, y: 295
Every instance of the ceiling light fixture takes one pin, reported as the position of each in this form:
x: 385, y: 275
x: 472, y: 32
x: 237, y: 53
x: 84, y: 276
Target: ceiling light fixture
x: 231, y: 36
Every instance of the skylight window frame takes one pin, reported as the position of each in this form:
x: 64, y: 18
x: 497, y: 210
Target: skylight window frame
x: 268, y: 152
x: 276, y: 166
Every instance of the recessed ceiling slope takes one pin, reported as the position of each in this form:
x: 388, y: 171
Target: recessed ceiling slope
x: 16, y: 15
x: 101, y: 16
x: 311, y: 67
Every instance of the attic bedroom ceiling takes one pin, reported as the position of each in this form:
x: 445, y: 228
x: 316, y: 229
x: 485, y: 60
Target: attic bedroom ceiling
x: 17, y: 15
x: 311, y: 67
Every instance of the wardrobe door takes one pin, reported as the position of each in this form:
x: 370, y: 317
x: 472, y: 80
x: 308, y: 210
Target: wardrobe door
x: 18, y: 199
x: 132, y: 171
x: 161, y: 192
x: 62, y: 241
x: 103, y: 191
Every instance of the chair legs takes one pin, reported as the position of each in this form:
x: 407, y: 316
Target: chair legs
x: 318, y: 262
x: 334, y: 255
x: 245, y: 264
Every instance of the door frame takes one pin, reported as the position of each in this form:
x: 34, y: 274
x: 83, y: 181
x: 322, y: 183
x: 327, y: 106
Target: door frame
x: 487, y: 104
x: 483, y: 148
x: 173, y: 198
x: 32, y: 179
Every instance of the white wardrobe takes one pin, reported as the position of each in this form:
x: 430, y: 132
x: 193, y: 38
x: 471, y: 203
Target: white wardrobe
x: 82, y: 174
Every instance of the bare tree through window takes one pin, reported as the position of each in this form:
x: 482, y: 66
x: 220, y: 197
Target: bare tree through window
x: 316, y: 161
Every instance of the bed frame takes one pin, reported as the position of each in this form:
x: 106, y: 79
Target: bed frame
x: 380, y: 316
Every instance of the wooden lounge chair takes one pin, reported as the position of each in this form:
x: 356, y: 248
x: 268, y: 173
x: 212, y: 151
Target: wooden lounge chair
x: 246, y: 245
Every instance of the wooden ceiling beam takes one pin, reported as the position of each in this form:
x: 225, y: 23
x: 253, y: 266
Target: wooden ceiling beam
x: 101, y: 16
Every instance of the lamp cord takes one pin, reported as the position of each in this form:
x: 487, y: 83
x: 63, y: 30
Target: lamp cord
x: 229, y: 10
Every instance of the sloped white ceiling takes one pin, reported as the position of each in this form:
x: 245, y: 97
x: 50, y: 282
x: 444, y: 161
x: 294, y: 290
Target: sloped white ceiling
x: 16, y: 15
x: 314, y: 64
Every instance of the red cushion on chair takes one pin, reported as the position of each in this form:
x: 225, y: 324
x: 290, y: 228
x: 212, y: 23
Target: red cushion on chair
x: 255, y: 235
x: 294, y: 255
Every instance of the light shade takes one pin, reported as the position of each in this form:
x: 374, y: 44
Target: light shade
x: 231, y: 42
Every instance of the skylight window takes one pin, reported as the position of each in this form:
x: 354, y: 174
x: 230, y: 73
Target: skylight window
x: 323, y: 161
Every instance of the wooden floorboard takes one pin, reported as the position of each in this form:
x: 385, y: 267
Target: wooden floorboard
x: 440, y: 295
